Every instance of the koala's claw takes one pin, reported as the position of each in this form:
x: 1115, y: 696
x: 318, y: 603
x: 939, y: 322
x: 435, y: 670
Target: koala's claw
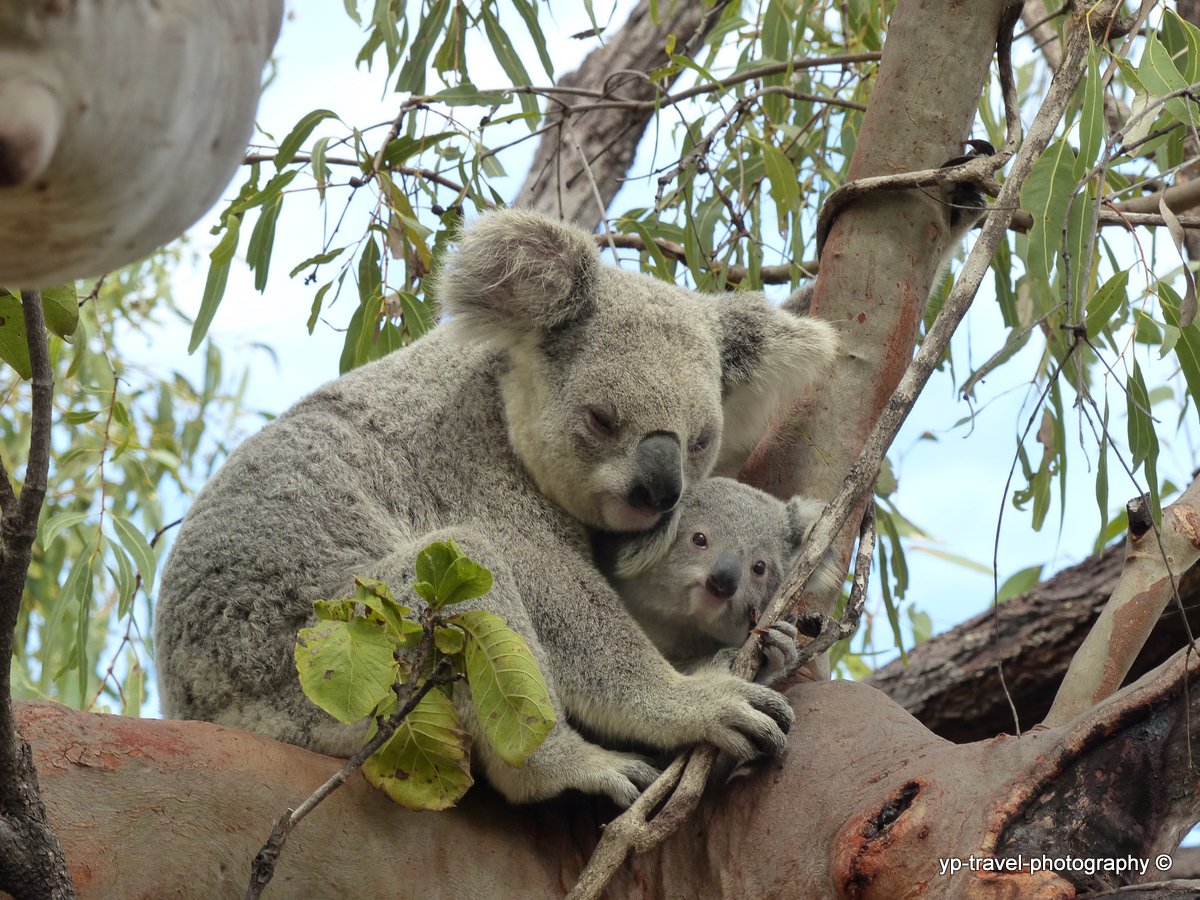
x: 623, y: 777
x: 780, y: 650
x: 745, y: 720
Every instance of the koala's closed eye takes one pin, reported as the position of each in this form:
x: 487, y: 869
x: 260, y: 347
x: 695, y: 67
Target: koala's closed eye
x: 602, y: 420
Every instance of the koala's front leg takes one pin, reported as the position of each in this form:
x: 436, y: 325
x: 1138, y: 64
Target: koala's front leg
x: 779, y: 650
x: 616, y: 683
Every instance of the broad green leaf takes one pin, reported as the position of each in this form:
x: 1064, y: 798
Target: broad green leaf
x: 339, y: 610
x: 1104, y: 303
x: 14, y: 349
x: 1047, y: 194
x: 447, y: 576
x: 60, y: 305
x: 510, y: 695
x: 299, y: 134
x: 1018, y: 583
x: 449, y: 640
x: 346, y: 668
x: 426, y: 764
x: 214, y: 285
x: 378, y: 597
x: 143, y: 556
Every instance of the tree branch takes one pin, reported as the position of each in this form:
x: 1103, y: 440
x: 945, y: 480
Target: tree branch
x: 31, y: 860
x: 1154, y: 559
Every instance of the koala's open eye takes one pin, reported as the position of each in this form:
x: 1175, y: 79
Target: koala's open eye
x: 759, y: 567
x: 700, y: 444
x: 602, y: 420
x: 699, y: 539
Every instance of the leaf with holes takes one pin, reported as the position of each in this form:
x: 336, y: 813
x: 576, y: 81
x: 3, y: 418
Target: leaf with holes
x: 426, y: 764
x: 346, y: 668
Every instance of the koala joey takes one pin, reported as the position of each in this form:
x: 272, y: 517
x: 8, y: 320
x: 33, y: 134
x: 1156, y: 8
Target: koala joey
x: 563, y: 396
x: 698, y: 583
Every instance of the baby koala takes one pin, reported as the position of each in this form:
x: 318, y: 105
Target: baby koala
x: 698, y: 583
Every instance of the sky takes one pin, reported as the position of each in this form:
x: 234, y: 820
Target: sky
x: 950, y: 478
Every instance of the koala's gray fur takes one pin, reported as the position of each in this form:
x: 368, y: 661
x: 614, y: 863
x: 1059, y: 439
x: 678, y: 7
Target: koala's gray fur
x: 564, y: 395
x: 692, y: 584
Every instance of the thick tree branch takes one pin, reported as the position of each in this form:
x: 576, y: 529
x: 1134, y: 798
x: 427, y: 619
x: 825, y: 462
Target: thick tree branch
x: 31, y: 860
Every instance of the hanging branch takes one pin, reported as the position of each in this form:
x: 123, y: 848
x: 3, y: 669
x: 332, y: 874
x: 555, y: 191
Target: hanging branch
x: 31, y: 861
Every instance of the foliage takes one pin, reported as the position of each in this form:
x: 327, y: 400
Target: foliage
x: 124, y: 438
x: 755, y: 130
x: 363, y: 648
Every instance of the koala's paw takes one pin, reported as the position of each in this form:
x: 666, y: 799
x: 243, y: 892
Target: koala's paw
x: 780, y: 651
x: 743, y: 719
x: 621, y: 776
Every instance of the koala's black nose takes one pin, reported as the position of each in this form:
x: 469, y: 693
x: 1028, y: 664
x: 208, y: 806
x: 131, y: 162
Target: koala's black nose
x: 725, y: 576
x: 658, y: 473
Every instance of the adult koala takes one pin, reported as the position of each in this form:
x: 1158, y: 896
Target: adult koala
x: 563, y: 395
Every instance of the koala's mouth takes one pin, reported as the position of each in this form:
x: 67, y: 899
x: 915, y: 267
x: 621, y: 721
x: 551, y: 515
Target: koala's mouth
x: 621, y: 516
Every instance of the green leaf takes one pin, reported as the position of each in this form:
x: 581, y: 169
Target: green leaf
x: 319, y: 260
x: 14, y: 349
x: 426, y: 764
x: 412, y: 74
x: 1105, y: 302
x: 1102, y: 478
x: 511, y: 699
x: 1143, y: 442
x: 1091, y: 117
x: 1019, y: 583
x: 378, y: 597
x: 346, y: 668
x: 49, y: 527
x: 1158, y: 74
x: 299, y: 134
x: 123, y: 580
x: 143, y: 556
x: 262, y: 241
x: 781, y: 174
x: 466, y: 94
x: 447, y: 576
x: 60, y: 305
x: 1187, y: 347
x: 449, y: 640
x: 528, y: 11
x: 133, y: 690
x: 922, y: 625
x: 214, y: 285
x: 417, y: 317
x: 512, y: 65
x: 1046, y: 193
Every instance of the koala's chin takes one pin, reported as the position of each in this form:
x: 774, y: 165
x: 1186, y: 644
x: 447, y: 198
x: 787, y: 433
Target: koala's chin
x: 621, y: 517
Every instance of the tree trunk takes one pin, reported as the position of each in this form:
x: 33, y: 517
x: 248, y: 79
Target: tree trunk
x: 848, y: 812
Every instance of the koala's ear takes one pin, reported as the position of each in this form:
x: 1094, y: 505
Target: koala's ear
x: 802, y: 515
x: 516, y: 271
x: 768, y: 358
x: 642, y: 551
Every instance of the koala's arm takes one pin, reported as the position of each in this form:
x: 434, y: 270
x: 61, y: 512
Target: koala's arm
x: 614, y: 681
